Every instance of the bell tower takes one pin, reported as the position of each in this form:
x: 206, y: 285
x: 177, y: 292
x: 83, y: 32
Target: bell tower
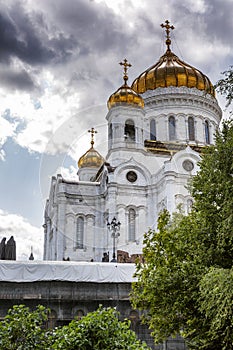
x: 125, y: 117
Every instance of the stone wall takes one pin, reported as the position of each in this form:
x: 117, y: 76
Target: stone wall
x: 75, y: 299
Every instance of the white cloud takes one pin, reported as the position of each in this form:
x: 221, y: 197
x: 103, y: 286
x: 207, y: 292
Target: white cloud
x: 198, y: 6
x: 25, y: 235
x: 7, y: 129
x: 42, y: 115
x: 69, y: 174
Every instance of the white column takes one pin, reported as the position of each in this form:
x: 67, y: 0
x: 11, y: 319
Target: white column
x: 61, y: 232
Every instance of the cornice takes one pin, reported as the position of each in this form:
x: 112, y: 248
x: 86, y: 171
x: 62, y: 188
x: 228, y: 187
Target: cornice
x: 181, y: 97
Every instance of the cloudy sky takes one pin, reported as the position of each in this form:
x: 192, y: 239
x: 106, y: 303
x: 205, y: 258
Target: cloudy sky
x: 58, y: 66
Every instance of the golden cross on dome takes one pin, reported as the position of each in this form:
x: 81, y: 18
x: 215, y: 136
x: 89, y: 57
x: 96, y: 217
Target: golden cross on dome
x: 168, y: 27
x: 126, y: 64
x: 93, y: 132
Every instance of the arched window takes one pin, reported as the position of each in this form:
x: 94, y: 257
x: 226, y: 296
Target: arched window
x: 172, y: 128
x: 80, y: 232
x: 207, y: 132
x: 129, y: 130
x: 152, y: 130
x: 191, y: 129
x: 132, y: 226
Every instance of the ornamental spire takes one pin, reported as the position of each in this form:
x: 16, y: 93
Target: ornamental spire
x: 126, y: 65
x: 93, y: 132
x: 168, y: 27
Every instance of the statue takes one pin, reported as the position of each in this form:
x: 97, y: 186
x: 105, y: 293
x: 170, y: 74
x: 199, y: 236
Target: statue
x: 31, y: 257
x: 105, y: 257
x: 10, y: 249
x: 3, y: 249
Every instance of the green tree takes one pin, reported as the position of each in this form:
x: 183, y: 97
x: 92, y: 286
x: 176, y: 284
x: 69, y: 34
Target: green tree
x: 216, y: 305
x: 213, y: 194
x: 188, y: 254
x: 23, y: 329
x: 225, y: 85
x: 97, y: 330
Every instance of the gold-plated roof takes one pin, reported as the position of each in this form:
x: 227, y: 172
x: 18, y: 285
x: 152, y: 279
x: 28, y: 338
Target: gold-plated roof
x: 125, y: 94
x: 92, y: 158
x: 171, y: 71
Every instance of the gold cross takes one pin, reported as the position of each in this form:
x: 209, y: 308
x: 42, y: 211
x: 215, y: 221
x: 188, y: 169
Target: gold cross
x: 168, y: 27
x: 93, y: 132
x: 126, y: 65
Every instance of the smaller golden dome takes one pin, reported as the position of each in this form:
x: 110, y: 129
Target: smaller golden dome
x: 92, y: 158
x: 125, y: 94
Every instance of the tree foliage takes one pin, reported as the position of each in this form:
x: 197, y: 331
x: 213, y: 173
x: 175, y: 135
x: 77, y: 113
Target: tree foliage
x: 213, y: 194
x: 97, y: 330
x: 225, y: 85
x: 23, y: 329
x: 190, y: 256
x: 216, y: 304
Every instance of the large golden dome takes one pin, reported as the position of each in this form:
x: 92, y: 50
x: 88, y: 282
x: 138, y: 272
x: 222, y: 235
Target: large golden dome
x: 125, y: 94
x: 92, y: 158
x: 171, y: 71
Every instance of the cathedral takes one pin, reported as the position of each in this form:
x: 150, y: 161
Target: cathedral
x: 157, y: 129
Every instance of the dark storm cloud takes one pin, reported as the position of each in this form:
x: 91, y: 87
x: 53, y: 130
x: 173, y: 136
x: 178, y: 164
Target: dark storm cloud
x: 83, y: 26
x: 17, y: 80
x: 59, y: 32
x: 215, y: 19
x: 25, y: 35
x: 219, y: 20
x: 18, y: 39
x: 94, y: 26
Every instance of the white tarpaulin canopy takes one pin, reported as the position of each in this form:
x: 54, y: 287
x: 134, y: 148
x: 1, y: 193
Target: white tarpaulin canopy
x: 31, y: 271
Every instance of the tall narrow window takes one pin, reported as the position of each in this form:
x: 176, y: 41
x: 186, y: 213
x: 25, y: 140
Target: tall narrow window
x: 207, y: 132
x: 191, y: 129
x: 129, y: 130
x: 132, y: 226
x: 172, y: 128
x: 110, y: 135
x: 152, y: 130
x: 80, y: 232
x: 110, y: 131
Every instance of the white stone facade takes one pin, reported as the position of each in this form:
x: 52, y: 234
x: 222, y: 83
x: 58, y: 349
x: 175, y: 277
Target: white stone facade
x: 139, y: 178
